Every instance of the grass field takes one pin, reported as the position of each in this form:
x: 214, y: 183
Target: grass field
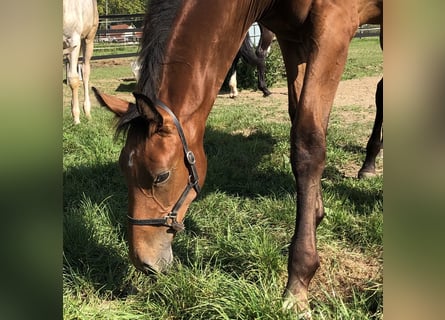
x: 230, y: 263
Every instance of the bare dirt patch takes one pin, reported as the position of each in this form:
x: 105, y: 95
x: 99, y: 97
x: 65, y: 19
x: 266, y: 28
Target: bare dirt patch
x: 350, y: 92
x: 354, y: 102
x: 344, y: 270
x: 112, y: 62
x: 353, y: 108
x: 358, y: 92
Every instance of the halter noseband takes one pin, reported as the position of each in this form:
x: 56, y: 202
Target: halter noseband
x: 171, y: 220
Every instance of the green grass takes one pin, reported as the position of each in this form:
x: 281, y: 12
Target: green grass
x: 365, y: 58
x: 230, y: 263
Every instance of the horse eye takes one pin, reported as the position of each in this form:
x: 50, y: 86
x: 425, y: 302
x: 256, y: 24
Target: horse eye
x: 162, y: 177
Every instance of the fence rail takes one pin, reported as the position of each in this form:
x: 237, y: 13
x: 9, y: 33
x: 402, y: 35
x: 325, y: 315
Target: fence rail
x: 109, y: 39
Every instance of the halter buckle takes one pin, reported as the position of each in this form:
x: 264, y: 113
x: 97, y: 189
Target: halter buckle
x: 190, y: 157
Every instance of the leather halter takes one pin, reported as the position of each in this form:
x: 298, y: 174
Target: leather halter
x: 171, y: 220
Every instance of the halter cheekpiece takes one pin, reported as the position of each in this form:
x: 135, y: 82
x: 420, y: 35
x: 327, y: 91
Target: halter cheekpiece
x: 171, y: 220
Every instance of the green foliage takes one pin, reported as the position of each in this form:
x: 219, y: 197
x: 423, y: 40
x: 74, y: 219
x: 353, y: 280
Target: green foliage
x: 121, y: 6
x: 365, y: 58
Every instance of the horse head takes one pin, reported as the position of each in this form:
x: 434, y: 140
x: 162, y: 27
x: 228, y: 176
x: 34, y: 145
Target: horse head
x: 160, y: 174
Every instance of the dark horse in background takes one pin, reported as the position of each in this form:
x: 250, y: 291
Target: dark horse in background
x: 163, y: 159
x: 254, y: 57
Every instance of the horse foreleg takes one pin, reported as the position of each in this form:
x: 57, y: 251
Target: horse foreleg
x: 233, y: 85
x: 87, y: 54
x: 308, y: 146
x: 303, y: 259
x: 261, y: 52
x: 375, y: 141
x: 232, y: 80
x: 74, y: 81
x: 262, y: 72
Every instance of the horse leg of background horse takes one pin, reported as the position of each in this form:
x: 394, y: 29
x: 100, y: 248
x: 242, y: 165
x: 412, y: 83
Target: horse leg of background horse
x: 73, y: 79
x: 87, y: 47
x: 233, y: 85
x: 375, y: 142
x: 310, y: 113
x: 232, y: 81
x: 261, y: 77
x: 261, y: 52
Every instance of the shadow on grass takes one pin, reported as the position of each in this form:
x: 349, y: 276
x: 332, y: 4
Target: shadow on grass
x: 239, y: 165
x: 354, y: 148
x: 352, y: 191
x: 360, y: 193
x: 97, y: 262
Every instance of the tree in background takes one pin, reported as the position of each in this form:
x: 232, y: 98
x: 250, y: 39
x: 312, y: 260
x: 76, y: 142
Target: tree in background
x: 121, y: 6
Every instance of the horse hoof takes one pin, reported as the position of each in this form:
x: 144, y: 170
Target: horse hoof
x: 266, y: 94
x: 301, y: 308
x: 306, y: 315
x: 366, y: 174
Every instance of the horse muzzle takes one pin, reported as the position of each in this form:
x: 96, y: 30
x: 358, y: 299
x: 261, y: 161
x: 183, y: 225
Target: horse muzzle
x: 152, y: 262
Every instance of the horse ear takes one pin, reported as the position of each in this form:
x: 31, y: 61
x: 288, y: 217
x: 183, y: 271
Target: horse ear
x: 147, y: 108
x: 114, y: 104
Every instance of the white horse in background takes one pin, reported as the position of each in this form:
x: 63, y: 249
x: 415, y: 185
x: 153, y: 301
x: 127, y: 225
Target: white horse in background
x: 80, y: 22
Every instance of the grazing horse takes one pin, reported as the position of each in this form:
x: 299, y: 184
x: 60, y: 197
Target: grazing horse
x: 257, y: 60
x: 163, y: 159
x: 80, y: 22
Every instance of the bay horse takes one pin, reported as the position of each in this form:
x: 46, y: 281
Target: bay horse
x: 163, y: 159
x: 257, y: 59
x: 80, y: 22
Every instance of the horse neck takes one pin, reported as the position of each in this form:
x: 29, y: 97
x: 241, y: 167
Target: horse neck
x: 200, y: 50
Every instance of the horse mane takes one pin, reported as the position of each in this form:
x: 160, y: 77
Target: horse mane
x: 157, y: 25
x: 158, y: 22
